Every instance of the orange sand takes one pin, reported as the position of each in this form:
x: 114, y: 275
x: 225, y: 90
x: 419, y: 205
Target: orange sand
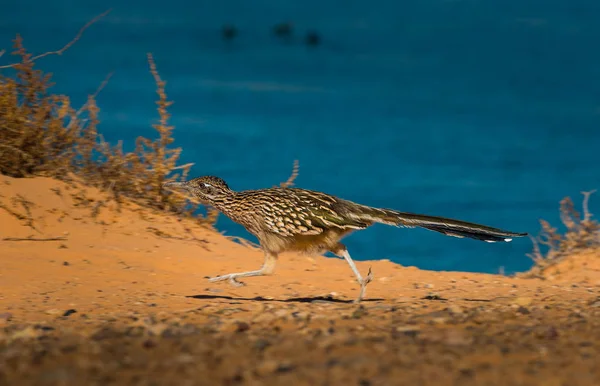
x: 117, y: 261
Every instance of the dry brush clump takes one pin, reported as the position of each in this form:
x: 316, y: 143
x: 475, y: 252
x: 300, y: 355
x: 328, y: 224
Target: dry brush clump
x: 582, y: 233
x: 41, y: 133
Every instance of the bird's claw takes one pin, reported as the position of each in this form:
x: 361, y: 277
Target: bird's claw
x: 369, y: 277
x: 231, y: 278
x: 236, y: 283
x: 363, y: 285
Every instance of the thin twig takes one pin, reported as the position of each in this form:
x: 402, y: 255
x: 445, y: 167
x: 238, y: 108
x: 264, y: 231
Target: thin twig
x: 193, y: 236
x: 26, y: 155
x: 212, y: 214
x: 242, y: 241
x: 189, y: 165
x: 476, y: 300
x: 68, y: 45
x: 103, y: 84
x: 290, y: 180
x: 94, y: 95
x: 536, y: 254
x: 153, y: 70
x: 586, y: 197
x: 58, y: 238
x: 2, y: 53
x: 183, y: 166
x: 185, y: 196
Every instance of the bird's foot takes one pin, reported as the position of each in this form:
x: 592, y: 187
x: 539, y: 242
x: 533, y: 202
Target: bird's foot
x: 369, y: 277
x: 232, y: 278
x: 363, y: 285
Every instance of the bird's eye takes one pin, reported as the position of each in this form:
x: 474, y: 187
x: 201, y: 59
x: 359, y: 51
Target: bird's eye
x: 207, y: 185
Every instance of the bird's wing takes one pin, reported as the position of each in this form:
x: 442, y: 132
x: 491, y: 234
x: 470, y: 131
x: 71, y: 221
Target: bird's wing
x: 305, y: 212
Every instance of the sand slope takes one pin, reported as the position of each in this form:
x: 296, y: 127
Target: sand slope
x: 121, y: 297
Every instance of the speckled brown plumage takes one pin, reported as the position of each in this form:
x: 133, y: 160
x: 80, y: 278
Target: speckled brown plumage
x: 291, y: 219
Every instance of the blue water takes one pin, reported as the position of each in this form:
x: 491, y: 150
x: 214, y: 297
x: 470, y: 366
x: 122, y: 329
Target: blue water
x: 484, y: 111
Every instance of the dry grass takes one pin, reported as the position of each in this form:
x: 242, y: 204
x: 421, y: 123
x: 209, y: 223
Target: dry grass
x: 582, y: 233
x: 43, y: 134
x: 290, y: 181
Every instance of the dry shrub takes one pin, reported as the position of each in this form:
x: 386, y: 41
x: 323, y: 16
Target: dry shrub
x: 33, y: 136
x: 290, y: 181
x: 42, y: 134
x: 583, y: 233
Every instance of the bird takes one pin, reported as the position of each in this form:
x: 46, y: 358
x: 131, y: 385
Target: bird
x: 293, y: 219
x: 283, y: 30
x: 229, y: 32
x: 312, y: 38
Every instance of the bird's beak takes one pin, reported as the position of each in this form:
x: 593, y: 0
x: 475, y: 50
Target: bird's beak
x: 176, y: 185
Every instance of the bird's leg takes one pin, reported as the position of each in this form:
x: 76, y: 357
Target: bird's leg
x: 343, y: 251
x: 267, y: 268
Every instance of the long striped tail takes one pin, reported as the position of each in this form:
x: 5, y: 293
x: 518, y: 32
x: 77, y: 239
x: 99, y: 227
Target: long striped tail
x: 447, y: 226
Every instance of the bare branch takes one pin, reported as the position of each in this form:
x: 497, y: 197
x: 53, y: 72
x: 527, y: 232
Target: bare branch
x: 290, y: 180
x: 586, y: 198
x: 176, y: 167
x: 536, y: 254
x: 25, y: 155
x: 242, y: 241
x: 185, y: 196
x: 153, y: 69
x: 94, y: 95
x: 66, y: 46
x: 183, y: 166
x: 103, y: 84
x: 59, y: 238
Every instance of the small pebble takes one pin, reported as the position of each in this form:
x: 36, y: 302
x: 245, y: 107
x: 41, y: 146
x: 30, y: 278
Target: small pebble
x: 69, y: 312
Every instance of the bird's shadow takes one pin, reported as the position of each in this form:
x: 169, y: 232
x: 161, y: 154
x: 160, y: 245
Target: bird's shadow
x: 308, y: 299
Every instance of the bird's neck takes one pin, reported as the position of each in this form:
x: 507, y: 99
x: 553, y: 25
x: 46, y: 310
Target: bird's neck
x: 224, y: 201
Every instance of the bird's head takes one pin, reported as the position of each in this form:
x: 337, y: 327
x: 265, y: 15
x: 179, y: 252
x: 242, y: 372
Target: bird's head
x: 207, y: 189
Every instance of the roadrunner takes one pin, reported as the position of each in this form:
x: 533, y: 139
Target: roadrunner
x: 292, y: 219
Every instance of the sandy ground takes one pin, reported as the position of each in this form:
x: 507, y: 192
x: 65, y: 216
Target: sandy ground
x: 121, y: 297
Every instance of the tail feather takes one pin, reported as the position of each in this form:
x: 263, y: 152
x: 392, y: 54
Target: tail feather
x: 447, y: 226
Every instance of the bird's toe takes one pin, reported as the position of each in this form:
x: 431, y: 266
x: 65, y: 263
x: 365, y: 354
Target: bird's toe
x: 236, y: 283
x: 369, y: 277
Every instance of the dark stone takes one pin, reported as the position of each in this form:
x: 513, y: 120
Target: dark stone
x: 283, y: 29
x: 312, y: 38
x: 242, y: 326
x: 229, y: 32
